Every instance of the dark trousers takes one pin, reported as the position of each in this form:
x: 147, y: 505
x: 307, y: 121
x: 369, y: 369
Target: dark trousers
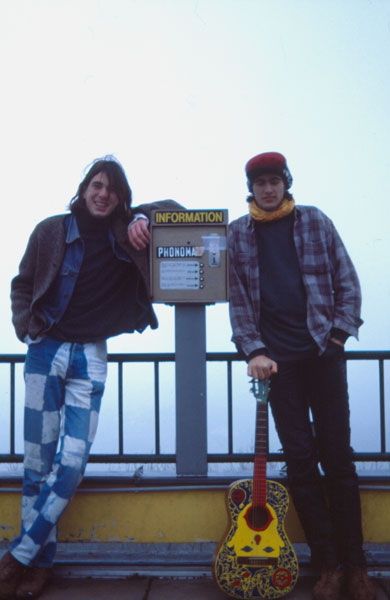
x: 330, y: 514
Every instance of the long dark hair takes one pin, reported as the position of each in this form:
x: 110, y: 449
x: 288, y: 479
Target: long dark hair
x: 117, y: 180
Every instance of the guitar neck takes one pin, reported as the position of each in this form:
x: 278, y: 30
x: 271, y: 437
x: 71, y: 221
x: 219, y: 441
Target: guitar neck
x: 261, y: 452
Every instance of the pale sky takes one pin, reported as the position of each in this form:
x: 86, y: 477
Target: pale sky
x: 183, y: 93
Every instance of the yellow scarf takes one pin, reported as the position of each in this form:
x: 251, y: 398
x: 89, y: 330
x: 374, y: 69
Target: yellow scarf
x: 258, y: 214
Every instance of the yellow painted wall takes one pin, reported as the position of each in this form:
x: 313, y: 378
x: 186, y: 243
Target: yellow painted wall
x: 170, y: 516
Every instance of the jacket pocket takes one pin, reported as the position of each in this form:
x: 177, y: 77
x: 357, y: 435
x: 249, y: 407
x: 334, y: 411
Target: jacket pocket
x: 315, y: 258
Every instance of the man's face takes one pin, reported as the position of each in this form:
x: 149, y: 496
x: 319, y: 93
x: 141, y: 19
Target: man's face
x: 99, y: 198
x: 268, y: 191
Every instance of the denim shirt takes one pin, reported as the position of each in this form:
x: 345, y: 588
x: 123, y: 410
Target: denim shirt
x: 62, y: 291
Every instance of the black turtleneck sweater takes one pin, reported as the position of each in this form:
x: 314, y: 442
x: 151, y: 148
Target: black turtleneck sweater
x: 283, y: 298
x: 105, y: 293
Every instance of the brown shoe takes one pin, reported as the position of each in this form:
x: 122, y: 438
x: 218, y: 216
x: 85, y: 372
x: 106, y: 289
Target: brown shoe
x: 33, y: 583
x: 11, y: 571
x: 359, y: 586
x: 329, y: 586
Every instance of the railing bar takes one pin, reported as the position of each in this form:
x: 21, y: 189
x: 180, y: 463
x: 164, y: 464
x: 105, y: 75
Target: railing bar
x: 279, y: 457
x: 157, y: 406
x: 210, y: 356
x: 12, y: 408
x: 120, y: 407
x: 131, y: 458
x: 142, y: 357
x: 230, y: 406
x: 212, y: 458
x: 382, y: 405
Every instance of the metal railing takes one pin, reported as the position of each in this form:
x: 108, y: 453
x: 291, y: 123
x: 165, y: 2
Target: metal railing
x: 159, y: 457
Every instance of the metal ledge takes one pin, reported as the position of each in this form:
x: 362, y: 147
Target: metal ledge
x: 195, y: 554
x: 125, y: 483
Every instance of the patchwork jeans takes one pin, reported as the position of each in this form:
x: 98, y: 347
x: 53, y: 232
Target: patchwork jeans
x: 64, y: 387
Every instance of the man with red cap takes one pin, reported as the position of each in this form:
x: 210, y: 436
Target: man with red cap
x: 294, y: 300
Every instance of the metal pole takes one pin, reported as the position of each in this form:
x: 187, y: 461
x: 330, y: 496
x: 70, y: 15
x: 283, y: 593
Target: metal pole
x: 191, y: 406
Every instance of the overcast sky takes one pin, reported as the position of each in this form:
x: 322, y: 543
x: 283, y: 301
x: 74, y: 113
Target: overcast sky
x: 183, y: 93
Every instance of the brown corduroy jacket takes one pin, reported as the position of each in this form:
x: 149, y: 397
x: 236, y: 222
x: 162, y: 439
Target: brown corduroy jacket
x: 42, y: 261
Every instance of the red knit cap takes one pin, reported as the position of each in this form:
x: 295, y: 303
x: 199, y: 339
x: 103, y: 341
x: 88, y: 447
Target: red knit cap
x: 268, y: 162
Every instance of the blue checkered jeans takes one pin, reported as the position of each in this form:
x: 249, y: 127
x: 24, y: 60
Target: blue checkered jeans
x: 64, y: 387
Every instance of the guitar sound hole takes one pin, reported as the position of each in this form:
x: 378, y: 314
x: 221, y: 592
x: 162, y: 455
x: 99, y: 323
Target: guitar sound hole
x: 258, y: 517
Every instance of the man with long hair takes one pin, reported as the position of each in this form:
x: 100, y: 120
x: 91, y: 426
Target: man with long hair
x: 294, y: 300
x: 80, y: 282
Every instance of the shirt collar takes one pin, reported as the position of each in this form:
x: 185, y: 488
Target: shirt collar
x: 73, y: 231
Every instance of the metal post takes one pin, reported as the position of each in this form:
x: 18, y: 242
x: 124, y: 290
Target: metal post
x: 191, y: 407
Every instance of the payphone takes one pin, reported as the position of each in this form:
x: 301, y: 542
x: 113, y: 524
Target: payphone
x: 189, y: 268
x: 189, y: 256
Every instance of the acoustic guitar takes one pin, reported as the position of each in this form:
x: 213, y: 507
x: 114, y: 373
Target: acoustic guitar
x: 255, y: 558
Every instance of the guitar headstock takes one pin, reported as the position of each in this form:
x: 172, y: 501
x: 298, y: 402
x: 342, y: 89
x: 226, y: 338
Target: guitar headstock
x: 260, y: 389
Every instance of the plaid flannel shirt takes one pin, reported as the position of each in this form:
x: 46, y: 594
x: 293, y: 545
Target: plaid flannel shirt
x: 329, y: 277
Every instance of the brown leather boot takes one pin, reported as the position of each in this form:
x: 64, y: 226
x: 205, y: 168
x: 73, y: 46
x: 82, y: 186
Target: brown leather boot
x: 329, y: 586
x: 359, y: 586
x: 11, y: 571
x: 33, y: 582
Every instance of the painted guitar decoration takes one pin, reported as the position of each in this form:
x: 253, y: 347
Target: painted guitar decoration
x: 255, y: 559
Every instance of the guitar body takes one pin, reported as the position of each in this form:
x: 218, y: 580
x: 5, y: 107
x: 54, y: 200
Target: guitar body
x: 256, y: 559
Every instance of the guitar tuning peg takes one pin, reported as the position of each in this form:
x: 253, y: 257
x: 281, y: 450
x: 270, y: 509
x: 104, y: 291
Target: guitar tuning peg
x: 260, y: 388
